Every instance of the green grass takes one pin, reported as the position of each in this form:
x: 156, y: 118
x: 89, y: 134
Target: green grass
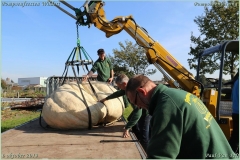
x: 127, y: 111
x: 11, y: 119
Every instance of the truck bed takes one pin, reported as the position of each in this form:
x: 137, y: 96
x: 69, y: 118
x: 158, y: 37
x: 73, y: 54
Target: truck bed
x: 31, y: 141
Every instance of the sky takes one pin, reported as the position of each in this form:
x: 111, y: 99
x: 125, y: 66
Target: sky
x: 37, y: 40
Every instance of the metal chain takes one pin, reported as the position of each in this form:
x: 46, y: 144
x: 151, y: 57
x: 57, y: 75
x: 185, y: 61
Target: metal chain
x: 78, y: 40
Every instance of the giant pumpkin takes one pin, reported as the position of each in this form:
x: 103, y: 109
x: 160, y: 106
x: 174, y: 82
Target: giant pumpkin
x: 65, y: 108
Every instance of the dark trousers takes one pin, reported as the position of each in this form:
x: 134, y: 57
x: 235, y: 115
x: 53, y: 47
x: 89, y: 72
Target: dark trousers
x: 234, y: 140
x: 142, y: 130
x: 144, y: 126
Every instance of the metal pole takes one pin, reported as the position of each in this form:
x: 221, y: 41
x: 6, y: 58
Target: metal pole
x: 74, y: 17
x: 66, y: 4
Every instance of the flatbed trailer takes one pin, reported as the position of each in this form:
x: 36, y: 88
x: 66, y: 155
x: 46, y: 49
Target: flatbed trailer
x: 31, y: 141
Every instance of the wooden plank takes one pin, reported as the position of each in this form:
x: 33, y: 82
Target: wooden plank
x: 32, y: 141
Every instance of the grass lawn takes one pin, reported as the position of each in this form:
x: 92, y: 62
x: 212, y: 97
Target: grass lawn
x: 127, y: 111
x: 13, y: 118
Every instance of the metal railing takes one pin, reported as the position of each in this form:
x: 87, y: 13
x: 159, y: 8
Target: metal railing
x: 52, y: 83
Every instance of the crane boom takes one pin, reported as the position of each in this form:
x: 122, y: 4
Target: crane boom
x: 174, y: 73
x: 156, y: 54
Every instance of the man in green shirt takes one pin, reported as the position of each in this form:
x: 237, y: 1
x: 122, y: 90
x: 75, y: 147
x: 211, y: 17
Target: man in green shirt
x: 181, y: 125
x: 104, y: 68
x: 139, y: 119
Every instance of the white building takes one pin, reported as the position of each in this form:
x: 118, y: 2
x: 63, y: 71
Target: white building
x: 32, y: 81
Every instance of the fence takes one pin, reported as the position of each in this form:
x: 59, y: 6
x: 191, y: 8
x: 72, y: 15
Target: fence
x: 52, y: 83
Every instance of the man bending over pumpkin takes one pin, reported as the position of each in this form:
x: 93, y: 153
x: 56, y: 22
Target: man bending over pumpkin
x: 139, y: 118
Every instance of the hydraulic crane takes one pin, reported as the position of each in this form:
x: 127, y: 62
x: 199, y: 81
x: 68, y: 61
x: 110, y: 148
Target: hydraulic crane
x: 176, y: 75
x: 156, y: 54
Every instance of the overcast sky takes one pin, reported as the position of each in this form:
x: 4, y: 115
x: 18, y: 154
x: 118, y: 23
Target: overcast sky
x: 37, y: 40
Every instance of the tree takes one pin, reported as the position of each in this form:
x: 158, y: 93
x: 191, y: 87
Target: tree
x: 131, y: 60
x: 220, y: 22
x: 120, y: 69
x: 3, y: 84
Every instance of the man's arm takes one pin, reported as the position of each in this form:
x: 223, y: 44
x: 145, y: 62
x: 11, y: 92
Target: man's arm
x: 111, y: 76
x: 111, y: 71
x: 136, y: 115
x: 116, y: 94
x: 90, y: 73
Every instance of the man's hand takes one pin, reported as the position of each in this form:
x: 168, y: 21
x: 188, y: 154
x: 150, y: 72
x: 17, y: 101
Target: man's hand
x: 85, y: 78
x: 110, y: 80
x: 126, y: 133
x: 102, y: 100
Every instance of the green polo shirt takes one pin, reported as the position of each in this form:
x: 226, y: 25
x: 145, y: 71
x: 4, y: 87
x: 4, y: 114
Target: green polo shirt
x: 103, y: 68
x: 182, y: 127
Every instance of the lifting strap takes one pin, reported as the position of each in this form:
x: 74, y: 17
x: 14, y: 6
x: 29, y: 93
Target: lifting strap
x: 91, y: 86
x: 78, y: 83
x: 71, y: 62
x: 84, y: 101
x: 76, y: 53
x: 95, y: 93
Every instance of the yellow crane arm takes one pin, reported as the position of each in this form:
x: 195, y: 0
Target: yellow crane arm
x: 156, y: 53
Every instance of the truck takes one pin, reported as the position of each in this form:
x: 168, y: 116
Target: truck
x: 174, y: 73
